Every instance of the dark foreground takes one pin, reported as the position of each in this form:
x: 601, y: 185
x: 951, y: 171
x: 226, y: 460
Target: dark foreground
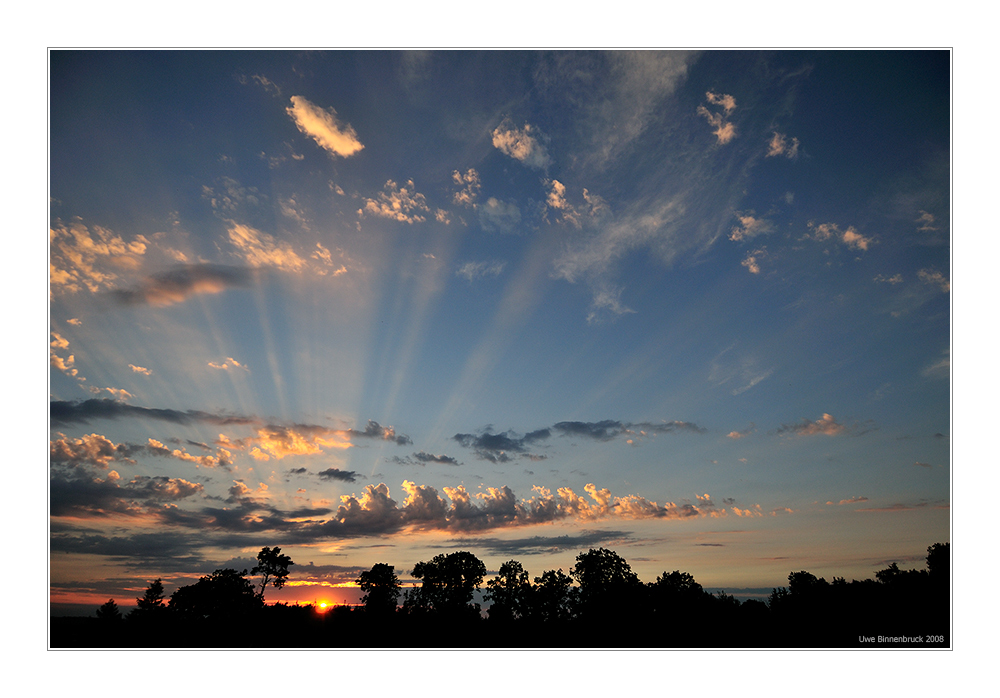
x: 723, y: 623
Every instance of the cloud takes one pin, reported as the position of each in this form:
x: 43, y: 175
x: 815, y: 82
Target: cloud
x: 431, y: 458
x: 852, y: 500
x: 95, y: 497
x: 750, y: 227
x: 724, y: 130
x: 824, y: 425
x: 895, y: 279
x: 470, y: 186
x: 752, y: 260
x: 229, y: 363
x: 592, y: 209
x: 180, y: 283
x: 140, y: 369
x: 612, y: 98
x: 522, y: 144
x: 740, y: 434
x: 90, y: 258
x: 480, y: 270
x: 779, y: 145
x: 541, y: 545
x: 926, y: 221
x: 935, y: 278
x: 923, y: 465
x: 606, y: 300
x: 608, y: 429
x: 342, y: 475
x: 323, y: 127
x: 940, y: 368
x: 497, y: 447
x: 399, y: 204
x: 850, y: 237
x: 93, y: 449
x: 257, y: 249
x: 374, y: 430
x: 228, y: 196
x: 62, y: 412
x: 499, y: 216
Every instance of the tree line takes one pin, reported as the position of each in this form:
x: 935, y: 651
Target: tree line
x: 600, y: 602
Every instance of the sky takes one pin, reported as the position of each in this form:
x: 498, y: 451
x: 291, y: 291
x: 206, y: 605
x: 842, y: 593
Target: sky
x: 376, y: 306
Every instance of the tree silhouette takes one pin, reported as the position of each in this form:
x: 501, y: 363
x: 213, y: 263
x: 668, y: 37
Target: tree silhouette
x: 448, y: 583
x: 109, y: 613
x: 272, y: 566
x: 509, y: 592
x: 220, y: 595
x: 606, y: 581
x: 552, y: 597
x: 939, y: 561
x: 381, y: 587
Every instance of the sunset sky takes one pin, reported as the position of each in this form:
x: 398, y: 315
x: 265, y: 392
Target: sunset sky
x: 371, y: 307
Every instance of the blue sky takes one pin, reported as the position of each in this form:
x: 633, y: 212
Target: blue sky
x: 372, y: 306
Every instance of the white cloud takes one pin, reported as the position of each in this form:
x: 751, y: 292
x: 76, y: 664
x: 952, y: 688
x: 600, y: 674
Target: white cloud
x: 479, y: 270
x: 323, y: 127
x: 607, y: 300
x: 521, y: 144
x: 496, y: 215
x: 140, y: 369
x: 895, y: 279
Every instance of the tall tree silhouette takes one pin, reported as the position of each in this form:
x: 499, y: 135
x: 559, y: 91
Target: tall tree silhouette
x: 509, y: 592
x: 272, y: 567
x: 381, y: 587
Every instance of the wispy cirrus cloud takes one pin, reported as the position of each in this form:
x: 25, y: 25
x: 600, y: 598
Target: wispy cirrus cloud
x: 323, y: 126
x: 480, y: 270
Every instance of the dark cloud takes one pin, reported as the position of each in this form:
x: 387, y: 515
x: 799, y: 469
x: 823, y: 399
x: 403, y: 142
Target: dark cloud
x: 374, y: 430
x: 604, y: 430
x: 536, y: 545
x: 64, y: 413
x: 298, y: 471
x: 431, y: 458
x: 180, y: 283
x: 608, y: 429
x: 87, y: 497
x: 335, y: 474
x: 497, y: 447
